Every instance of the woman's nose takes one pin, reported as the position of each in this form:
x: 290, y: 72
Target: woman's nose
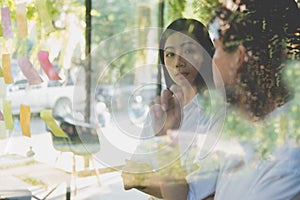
x: 180, y: 62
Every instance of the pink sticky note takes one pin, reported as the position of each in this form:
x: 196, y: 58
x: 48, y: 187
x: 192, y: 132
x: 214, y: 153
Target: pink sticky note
x: 6, y: 23
x: 47, y: 66
x: 28, y: 71
x: 1, y: 116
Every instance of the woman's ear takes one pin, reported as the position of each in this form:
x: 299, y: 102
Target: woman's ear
x: 242, y: 55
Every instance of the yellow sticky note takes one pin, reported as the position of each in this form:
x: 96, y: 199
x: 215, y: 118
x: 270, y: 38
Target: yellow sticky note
x: 21, y: 20
x: 8, y: 79
x: 44, y: 15
x: 46, y: 115
x: 25, y: 119
x: 8, y: 119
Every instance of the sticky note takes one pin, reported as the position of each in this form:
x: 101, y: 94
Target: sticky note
x: 25, y: 120
x: 46, y: 115
x: 8, y: 79
x: 8, y: 119
x: 21, y: 20
x: 6, y: 23
x: 44, y: 15
x: 47, y: 66
x: 29, y: 72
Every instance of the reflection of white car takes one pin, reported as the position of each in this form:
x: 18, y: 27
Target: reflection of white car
x: 47, y: 95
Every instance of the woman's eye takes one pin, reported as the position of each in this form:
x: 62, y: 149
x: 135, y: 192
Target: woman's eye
x: 189, y: 51
x: 169, y: 54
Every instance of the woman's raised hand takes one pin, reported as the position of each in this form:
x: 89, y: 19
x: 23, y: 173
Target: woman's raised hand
x: 166, y: 110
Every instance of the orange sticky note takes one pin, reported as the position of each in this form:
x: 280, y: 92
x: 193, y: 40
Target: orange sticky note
x: 6, y: 23
x: 46, y: 115
x: 25, y: 119
x: 21, y: 20
x: 47, y: 66
x: 29, y: 72
x: 9, y: 124
x: 8, y: 79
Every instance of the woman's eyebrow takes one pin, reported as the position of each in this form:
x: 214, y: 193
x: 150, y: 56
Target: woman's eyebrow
x: 181, y: 45
x: 187, y: 43
x: 169, y: 47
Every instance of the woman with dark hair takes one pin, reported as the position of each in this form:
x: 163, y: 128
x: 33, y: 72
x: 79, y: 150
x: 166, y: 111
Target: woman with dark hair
x: 254, y: 48
x: 198, y: 32
x: 185, y: 52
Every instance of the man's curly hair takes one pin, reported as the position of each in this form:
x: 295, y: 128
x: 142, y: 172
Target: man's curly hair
x: 270, y: 32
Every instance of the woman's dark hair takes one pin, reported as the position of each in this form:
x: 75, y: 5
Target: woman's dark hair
x: 269, y: 30
x: 199, y: 32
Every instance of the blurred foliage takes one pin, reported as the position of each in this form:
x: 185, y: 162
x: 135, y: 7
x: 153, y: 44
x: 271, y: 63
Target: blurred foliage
x: 205, y: 9
x: 175, y: 9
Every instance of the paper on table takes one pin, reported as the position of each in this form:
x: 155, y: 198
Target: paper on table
x: 47, y: 66
x: 6, y: 23
x: 29, y: 72
x: 44, y: 15
x: 46, y: 115
x: 21, y: 20
x: 25, y: 120
x: 9, y: 124
x: 6, y: 69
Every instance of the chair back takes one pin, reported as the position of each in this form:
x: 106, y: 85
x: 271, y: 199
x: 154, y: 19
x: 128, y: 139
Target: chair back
x: 83, y: 138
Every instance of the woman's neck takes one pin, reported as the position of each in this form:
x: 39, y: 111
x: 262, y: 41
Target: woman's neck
x: 188, y: 94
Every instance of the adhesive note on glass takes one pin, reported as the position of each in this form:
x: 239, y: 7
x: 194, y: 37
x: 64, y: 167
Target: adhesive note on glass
x: 25, y: 119
x: 46, y: 115
x: 44, y: 15
x: 8, y: 119
x: 6, y: 23
x: 29, y: 72
x: 21, y: 20
x: 47, y: 66
x: 8, y: 79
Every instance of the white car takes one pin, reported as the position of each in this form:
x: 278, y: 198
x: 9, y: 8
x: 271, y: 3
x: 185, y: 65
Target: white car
x: 47, y: 95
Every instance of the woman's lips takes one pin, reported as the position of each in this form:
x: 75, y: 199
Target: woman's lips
x: 185, y: 74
